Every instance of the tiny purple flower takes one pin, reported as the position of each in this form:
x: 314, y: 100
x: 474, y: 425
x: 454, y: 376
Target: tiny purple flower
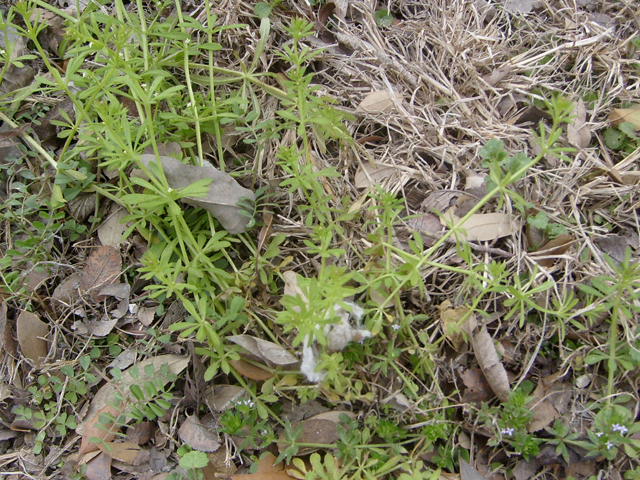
x: 620, y: 428
x: 395, y: 327
x: 609, y: 445
x: 507, y: 431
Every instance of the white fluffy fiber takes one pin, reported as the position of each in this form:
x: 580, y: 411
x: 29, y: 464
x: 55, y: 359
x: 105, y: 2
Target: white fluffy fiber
x: 338, y: 336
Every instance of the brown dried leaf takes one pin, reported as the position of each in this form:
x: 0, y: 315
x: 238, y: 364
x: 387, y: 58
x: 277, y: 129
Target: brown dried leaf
x: 221, y: 397
x: 451, y: 319
x: 543, y: 411
x: 313, y: 431
x: 622, y: 115
x: 222, y: 198
x: 99, y: 468
x: 552, y: 248
x: 250, y: 370
x: 32, y: 337
x: 487, y: 357
x: 478, y: 389
x: 198, y: 436
x: 111, y: 230
x: 263, y: 349
x: 125, y: 452
x: 578, y: 133
x: 372, y: 174
x: 103, y: 268
x: 67, y: 291
x: 484, y: 227
x: 497, y: 75
x: 267, y: 470
x: 380, y: 101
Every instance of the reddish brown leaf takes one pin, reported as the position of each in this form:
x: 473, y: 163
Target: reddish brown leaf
x: 103, y: 268
x: 125, y: 452
x: 99, y: 468
x: 250, y: 371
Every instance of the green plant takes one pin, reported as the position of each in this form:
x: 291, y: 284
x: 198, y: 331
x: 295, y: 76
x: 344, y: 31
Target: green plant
x: 623, y: 137
x: 53, y: 400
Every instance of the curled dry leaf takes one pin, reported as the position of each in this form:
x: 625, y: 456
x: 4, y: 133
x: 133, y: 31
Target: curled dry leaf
x: 32, y: 337
x: 223, y: 197
x: 263, y: 349
x: 622, y: 115
x: 492, y: 368
x: 103, y: 268
x: 543, y: 410
x: 467, y: 472
x: 380, y: 101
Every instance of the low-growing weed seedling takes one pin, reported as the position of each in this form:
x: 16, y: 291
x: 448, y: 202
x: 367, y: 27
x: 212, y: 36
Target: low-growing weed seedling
x: 623, y: 137
x: 53, y: 401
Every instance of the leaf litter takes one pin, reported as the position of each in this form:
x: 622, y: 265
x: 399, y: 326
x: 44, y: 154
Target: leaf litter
x: 454, y: 100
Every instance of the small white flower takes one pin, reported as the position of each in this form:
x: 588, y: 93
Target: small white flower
x: 609, y: 445
x: 620, y: 428
x: 395, y: 327
x: 507, y: 431
x: 169, y: 190
x: 599, y: 434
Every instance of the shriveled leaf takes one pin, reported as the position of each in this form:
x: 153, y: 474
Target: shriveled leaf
x: 198, y: 436
x: 175, y: 363
x: 626, y: 115
x: 372, y: 174
x: 103, y: 268
x: 268, y: 351
x: 223, y: 197
x: 221, y: 397
x: 125, y: 452
x: 32, y: 337
x: 111, y: 230
x: 250, y: 370
x: 578, y: 133
x: 483, y: 227
x: 380, y: 101
x: 492, y: 368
